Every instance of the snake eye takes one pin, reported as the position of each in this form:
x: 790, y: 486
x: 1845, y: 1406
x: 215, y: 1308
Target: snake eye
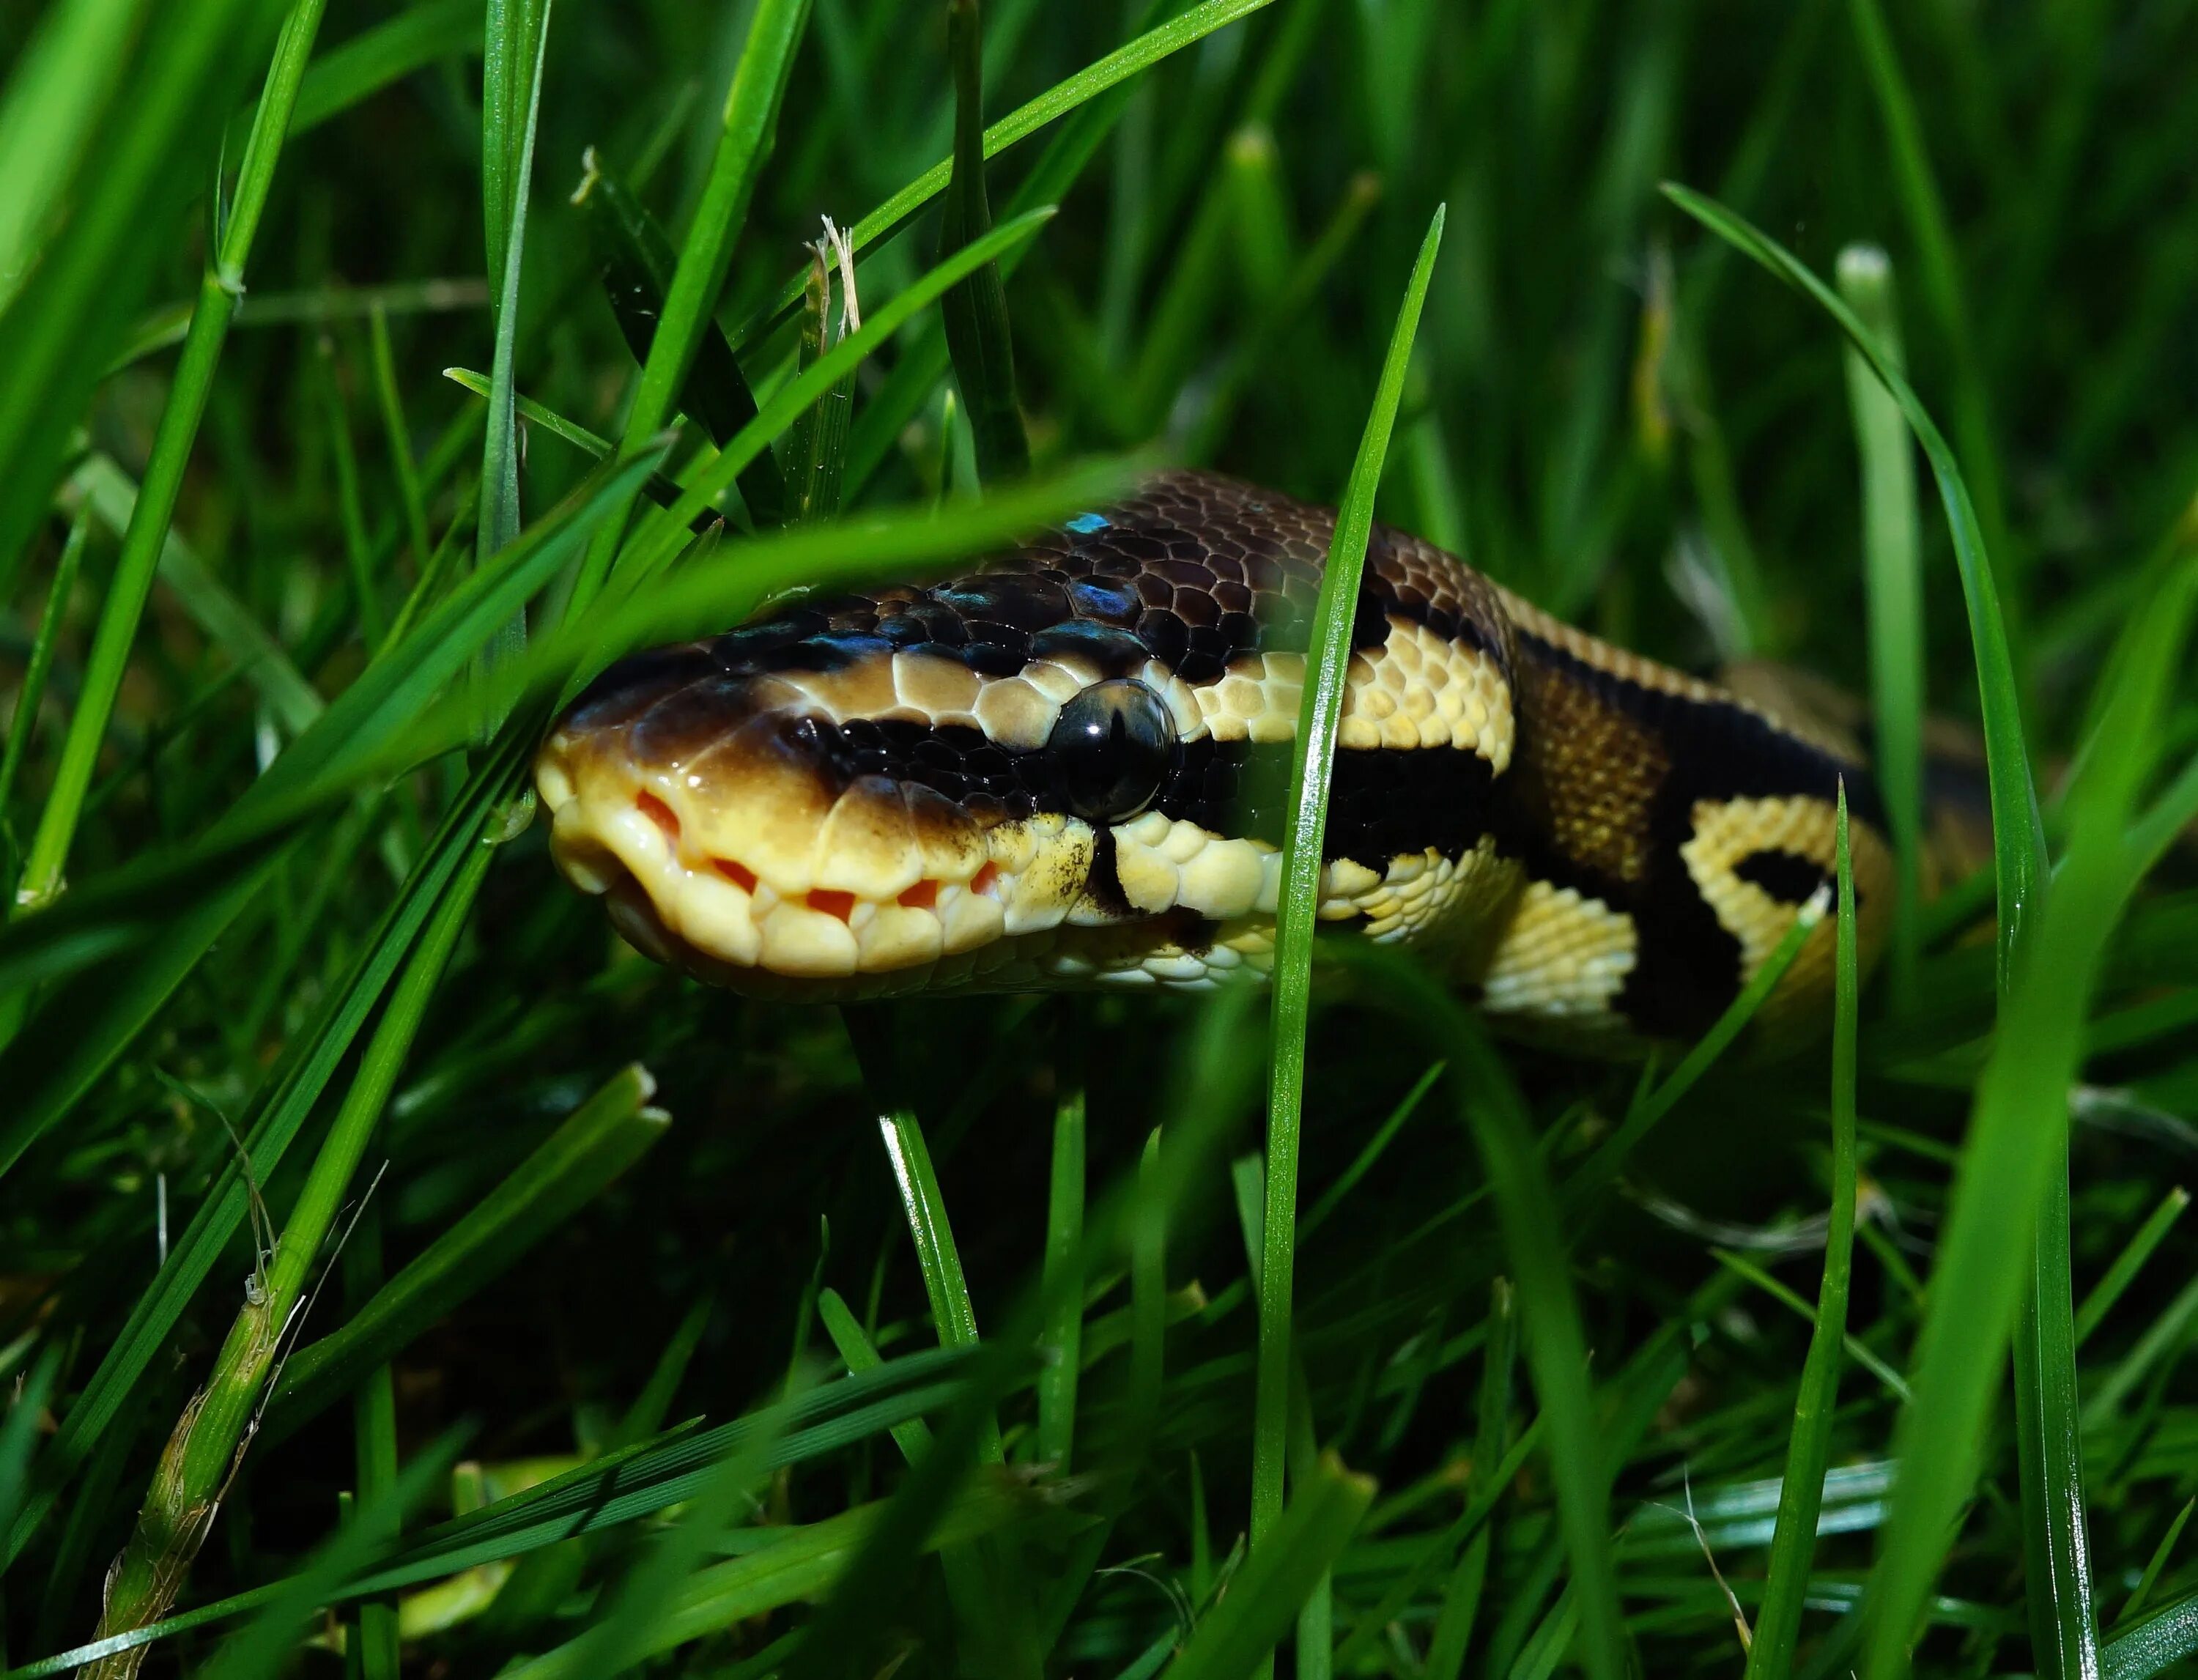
x: 1110, y: 750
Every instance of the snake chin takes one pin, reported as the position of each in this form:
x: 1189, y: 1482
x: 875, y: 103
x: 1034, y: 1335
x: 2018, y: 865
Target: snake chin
x: 748, y: 868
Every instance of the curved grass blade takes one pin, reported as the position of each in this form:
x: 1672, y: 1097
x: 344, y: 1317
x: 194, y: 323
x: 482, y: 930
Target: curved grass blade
x: 2019, y: 1128
x: 2127, y: 1265
x: 1312, y: 754
x: 923, y: 1203
x: 2019, y: 843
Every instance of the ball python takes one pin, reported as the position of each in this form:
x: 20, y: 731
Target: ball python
x: 1066, y: 769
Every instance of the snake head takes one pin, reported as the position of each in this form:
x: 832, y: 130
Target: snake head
x: 1065, y: 767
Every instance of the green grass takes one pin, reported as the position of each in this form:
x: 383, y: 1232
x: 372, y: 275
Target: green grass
x: 591, y: 1326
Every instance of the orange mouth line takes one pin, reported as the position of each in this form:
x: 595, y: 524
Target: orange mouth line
x: 923, y: 896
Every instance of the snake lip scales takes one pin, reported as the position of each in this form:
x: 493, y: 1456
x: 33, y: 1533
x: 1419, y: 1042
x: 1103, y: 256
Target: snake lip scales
x: 1066, y: 769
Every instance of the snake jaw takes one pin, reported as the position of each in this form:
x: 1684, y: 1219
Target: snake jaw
x: 747, y: 857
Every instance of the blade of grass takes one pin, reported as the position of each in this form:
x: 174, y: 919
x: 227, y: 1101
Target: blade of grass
x: 149, y: 152
x: 1808, y: 1449
x: 201, y: 1455
x: 1893, y: 579
x: 384, y: 54
x: 374, y: 1433
x: 515, y: 38
x: 1462, y: 1593
x: 220, y: 287
x: 2127, y: 1264
x: 401, y: 462
x: 1237, y: 1637
x: 1064, y: 1242
x: 2017, y: 1146
x: 2049, y: 1416
x: 597, y: 1142
x: 1856, y: 1349
x: 2019, y: 1127
x: 366, y: 589
x: 1057, y: 101
x: 1312, y: 754
x: 916, y: 375
x: 18, y: 1434
x: 107, y: 492
x: 1926, y: 213
x: 804, y: 1565
x: 975, y: 309
x: 30, y: 695
x: 1363, y: 1162
x: 953, y: 1316
x: 649, y: 553
x: 604, y: 1494
x: 744, y: 145
x: 2155, y: 1564
x: 2019, y: 853
x: 1493, y: 1112
x: 636, y: 263
x: 55, y: 93
x: 2154, y: 1645
x: 290, y: 1096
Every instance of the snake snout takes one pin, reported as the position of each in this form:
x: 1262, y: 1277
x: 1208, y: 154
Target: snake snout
x: 739, y: 834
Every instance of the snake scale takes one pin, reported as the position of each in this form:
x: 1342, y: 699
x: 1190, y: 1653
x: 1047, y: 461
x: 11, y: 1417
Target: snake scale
x: 1067, y: 767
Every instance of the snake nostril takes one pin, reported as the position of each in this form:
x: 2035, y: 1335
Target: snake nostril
x: 841, y: 904
x: 660, y: 814
x: 739, y: 873
x: 923, y: 896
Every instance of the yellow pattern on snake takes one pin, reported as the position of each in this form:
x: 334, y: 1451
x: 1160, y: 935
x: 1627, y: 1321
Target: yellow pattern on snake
x: 1066, y: 769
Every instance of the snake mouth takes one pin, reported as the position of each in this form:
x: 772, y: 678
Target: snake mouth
x: 737, y: 833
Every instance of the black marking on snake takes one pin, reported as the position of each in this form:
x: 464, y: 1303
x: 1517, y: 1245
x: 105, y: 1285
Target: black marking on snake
x: 1382, y: 803
x: 1787, y: 876
x: 1688, y: 964
x: 1103, y: 884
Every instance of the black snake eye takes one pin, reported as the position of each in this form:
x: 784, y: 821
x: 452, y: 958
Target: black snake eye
x: 1110, y: 750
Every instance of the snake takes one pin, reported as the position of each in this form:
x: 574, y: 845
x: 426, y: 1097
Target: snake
x: 1069, y: 767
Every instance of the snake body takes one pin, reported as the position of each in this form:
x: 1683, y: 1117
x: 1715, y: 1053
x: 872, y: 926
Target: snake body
x: 1068, y: 768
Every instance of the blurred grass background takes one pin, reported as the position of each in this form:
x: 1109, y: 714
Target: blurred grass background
x: 1605, y: 410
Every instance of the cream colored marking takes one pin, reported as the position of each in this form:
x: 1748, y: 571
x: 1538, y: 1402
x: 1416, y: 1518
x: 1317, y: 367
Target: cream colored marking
x: 1728, y: 831
x: 1561, y: 955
